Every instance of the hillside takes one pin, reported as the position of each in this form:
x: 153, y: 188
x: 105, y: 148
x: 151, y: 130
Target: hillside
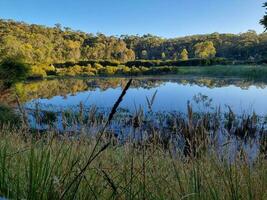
x: 40, y: 44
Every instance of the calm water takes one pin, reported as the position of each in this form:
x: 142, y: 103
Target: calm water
x: 172, y: 94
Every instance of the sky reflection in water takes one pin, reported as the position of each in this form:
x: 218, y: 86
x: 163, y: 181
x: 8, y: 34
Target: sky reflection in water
x: 171, y: 96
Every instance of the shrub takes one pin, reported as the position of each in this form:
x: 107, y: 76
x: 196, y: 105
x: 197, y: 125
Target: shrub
x: 37, y: 72
x: 122, y: 69
x: 47, y: 67
x: 73, y: 71
x: 135, y: 71
x: 145, y: 63
x: 98, y: 66
x: 109, y: 70
x: 190, y: 62
x: 143, y: 69
x: 13, y: 71
x: 78, y: 71
x: 89, y: 71
x: 8, y: 116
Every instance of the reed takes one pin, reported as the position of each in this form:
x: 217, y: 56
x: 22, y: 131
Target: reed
x: 95, y: 153
x: 148, y: 164
x: 43, y: 168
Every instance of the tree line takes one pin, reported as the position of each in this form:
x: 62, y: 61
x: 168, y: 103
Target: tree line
x: 40, y: 44
x: 264, y: 19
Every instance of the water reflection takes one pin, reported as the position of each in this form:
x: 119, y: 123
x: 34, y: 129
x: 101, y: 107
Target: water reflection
x: 172, y: 93
x: 170, y: 118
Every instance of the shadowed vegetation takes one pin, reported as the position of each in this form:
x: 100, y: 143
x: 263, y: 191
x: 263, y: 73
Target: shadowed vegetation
x: 12, y: 71
x: 264, y: 19
x: 8, y: 116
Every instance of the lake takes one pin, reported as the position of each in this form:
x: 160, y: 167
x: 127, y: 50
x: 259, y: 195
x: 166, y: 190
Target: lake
x: 168, y: 116
x: 172, y: 93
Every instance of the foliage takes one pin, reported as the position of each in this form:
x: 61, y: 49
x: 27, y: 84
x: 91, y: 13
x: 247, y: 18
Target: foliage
x: 264, y: 20
x: 39, y: 44
x: 144, y: 54
x: 163, y: 56
x: 205, y: 50
x: 37, y: 72
x: 231, y: 46
x: 109, y: 70
x: 43, y: 168
x: 77, y: 70
x: 179, y: 63
x: 8, y: 116
x: 184, y: 55
x: 98, y: 66
x: 12, y: 70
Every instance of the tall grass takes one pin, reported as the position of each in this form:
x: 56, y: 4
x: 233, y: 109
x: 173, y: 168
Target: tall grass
x: 43, y: 168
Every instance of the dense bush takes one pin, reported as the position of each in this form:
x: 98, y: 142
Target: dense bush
x: 191, y: 62
x: 13, y: 71
x: 37, y: 72
x: 109, y: 70
x: 79, y: 70
x: 103, y: 63
x: 98, y: 69
x: 148, y: 63
x: 41, y: 71
x: 144, y: 63
x: 138, y: 67
x: 97, y: 66
x: 8, y: 116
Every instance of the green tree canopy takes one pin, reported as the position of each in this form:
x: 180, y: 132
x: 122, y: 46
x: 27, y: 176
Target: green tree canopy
x: 163, y: 56
x: 184, y: 55
x: 144, y: 54
x: 264, y: 20
x: 39, y: 44
x: 205, y: 50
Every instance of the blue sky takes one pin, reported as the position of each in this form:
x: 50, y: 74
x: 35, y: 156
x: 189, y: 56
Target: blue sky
x: 166, y: 18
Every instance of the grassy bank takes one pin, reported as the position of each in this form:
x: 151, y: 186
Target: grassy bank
x: 197, y: 67
x: 44, y: 168
x: 257, y: 72
x: 244, y: 71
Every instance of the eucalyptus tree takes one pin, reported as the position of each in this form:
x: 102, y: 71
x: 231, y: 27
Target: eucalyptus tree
x: 264, y: 19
